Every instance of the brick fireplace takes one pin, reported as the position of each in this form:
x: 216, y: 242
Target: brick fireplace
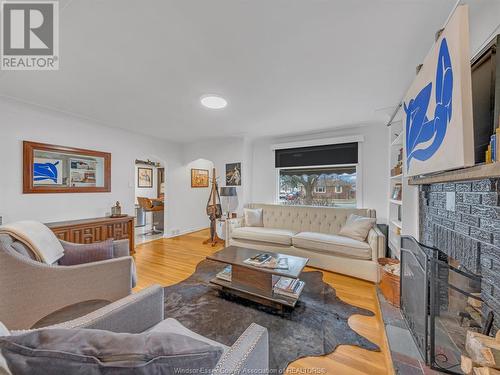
x: 462, y: 219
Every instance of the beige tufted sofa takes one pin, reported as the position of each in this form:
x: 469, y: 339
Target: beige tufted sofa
x: 312, y: 232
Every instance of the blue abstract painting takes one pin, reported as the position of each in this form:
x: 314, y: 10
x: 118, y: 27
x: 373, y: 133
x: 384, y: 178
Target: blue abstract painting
x: 425, y: 135
x: 47, y: 171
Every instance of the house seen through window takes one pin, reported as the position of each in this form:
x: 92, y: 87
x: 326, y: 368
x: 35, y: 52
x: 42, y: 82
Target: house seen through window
x: 333, y: 186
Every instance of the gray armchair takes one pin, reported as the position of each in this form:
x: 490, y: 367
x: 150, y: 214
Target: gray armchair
x: 35, y: 294
x: 144, y: 311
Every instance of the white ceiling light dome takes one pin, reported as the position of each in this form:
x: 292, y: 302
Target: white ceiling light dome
x: 213, y: 101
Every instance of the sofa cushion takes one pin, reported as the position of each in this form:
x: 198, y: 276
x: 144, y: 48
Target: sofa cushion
x: 334, y: 244
x: 171, y: 325
x: 357, y: 227
x: 272, y: 235
x: 91, y: 351
x: 75, y: 253
x: 253, y: 217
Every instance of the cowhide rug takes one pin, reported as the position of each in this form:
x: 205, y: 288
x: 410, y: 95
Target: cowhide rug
x: 314, y: 327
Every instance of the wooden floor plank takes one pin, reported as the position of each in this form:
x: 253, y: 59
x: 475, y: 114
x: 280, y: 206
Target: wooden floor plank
x: 169, y: 261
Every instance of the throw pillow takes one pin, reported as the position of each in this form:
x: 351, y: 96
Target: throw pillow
x: 92, y: 352
x: 253, y: 217
x: 86, y: 253
x: 357, y: 227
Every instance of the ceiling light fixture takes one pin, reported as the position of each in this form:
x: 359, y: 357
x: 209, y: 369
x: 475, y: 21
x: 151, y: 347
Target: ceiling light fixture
x: 213, y: 101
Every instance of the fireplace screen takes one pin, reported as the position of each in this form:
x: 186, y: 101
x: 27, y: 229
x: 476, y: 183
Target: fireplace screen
x: 440, y: 301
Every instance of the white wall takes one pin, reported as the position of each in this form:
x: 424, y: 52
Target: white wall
x: 20, y: 122
x: 190, y: 202
x: 373, y: 162
x: 207, y: 155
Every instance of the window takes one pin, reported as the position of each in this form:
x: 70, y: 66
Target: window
x: 333, y: 186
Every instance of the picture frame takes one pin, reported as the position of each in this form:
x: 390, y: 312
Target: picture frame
x: 49, y: 168
x: 199, y: 178
x: 233, y: 174
x: 144, y: 178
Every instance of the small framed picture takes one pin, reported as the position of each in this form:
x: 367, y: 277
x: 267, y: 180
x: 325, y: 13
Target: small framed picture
x: 233, y: 174
x: 144, y: 177
x: 199, y: 178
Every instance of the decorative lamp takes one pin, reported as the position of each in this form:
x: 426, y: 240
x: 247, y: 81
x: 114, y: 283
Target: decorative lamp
x: 229, y: 199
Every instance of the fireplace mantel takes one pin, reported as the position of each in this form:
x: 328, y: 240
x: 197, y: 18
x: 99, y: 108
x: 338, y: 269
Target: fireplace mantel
x: 477, y: 172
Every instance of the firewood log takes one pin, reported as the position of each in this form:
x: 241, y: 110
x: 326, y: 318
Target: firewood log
x: 483, y: 349
x: 475, y: 302
x: 497, y: 336
x: 485, y: 371
x: 467, y: 365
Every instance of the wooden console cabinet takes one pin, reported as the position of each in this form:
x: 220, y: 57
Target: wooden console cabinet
x: 96, y: 230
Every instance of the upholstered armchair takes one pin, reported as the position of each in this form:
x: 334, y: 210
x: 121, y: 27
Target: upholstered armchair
x: 144, y: 312
x: 35, y: 294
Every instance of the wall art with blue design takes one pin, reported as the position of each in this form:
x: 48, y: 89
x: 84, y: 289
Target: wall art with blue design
x: 437, y: 117
x: 47, y: 171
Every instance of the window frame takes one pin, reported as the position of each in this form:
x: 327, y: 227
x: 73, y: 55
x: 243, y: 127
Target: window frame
x: 359, y: 180
x: 323, y: 188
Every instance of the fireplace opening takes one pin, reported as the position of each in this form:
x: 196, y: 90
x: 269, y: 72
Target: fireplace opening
x: 440, y: 302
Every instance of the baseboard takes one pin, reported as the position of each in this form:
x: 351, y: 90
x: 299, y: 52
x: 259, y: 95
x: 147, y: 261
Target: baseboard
x: 186, y: 231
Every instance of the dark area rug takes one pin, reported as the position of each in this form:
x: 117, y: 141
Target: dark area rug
x: 315, y: 327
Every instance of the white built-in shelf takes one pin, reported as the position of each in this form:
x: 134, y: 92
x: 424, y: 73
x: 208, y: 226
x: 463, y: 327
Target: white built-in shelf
x: 395, y: 207
x: 398, y: 141
x: 397, y: 223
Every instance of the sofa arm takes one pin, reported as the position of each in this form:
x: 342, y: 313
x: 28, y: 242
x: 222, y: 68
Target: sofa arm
x: 132, y: 314
x: 376, y: 240
x: 233, y: 224
x: 248, y: 355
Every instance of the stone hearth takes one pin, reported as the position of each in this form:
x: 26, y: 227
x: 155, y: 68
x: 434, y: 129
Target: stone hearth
x: 462, y: 219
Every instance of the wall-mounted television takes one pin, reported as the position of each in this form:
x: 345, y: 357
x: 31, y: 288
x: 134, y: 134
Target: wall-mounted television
x: 485, y: 69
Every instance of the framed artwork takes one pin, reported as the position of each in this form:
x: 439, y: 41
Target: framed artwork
x: 233, y: 174
x: 144, y: 177
x: 47, y: 172
x: 199, y: 178
x: 437, y: 114
x: 58, y: 169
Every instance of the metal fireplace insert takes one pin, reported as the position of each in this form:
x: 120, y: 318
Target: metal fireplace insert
x: 440, y: 302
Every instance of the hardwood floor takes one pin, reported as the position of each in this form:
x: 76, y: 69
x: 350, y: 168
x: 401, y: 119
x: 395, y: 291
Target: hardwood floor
x: 169, y: 261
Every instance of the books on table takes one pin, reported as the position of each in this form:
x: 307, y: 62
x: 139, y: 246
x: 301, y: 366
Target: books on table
x: 288, y: 287
x: 225, y: 274
x: 267, y: 261
x: 259, y: 259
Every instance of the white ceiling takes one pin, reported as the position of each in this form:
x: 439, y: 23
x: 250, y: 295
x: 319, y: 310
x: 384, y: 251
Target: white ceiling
x: 285, y: 66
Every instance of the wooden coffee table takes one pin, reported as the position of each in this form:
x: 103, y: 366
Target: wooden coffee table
x: 256, y: 283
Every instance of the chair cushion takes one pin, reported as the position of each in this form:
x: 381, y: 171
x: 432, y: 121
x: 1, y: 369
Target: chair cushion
x: 92, y: 352
x: 171, y: 325
x: 272, y: 235
x: 334, y: 244
x: 253, y: 217
x: 86, y: 253
x: 357, y: 227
